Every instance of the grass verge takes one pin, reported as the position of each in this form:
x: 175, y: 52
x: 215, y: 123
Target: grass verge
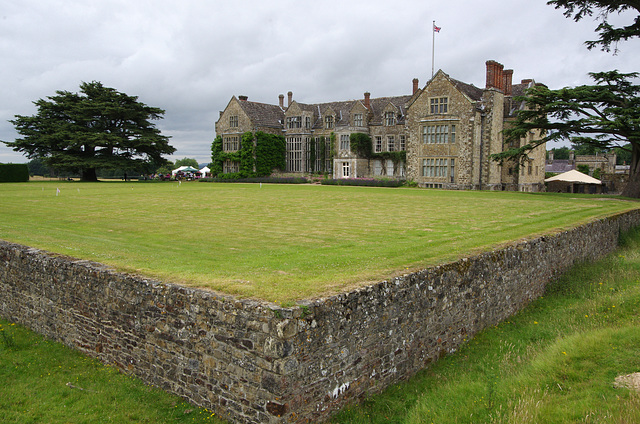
x: 278, y: 242
x: 554, y: 362
x: 45, y: 382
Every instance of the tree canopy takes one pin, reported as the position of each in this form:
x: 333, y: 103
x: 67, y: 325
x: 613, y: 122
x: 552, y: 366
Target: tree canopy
x: 603, y: 116
x: 187, y: 162
x: 99, y: 127
x: 579, y: 9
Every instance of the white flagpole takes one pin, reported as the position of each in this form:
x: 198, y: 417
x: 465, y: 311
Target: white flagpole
x: 433, y: 46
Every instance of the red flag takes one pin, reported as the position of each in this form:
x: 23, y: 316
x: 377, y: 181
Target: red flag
x: 435, y: 28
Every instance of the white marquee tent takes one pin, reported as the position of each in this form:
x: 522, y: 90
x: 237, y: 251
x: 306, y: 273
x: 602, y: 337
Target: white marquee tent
x: 574, y: 176
x: 184, y: 169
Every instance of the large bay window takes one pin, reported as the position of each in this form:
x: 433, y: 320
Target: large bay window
x: 294, y: 154
x: 434, y: 167
x: 439, y: 133
x: 231, y: 143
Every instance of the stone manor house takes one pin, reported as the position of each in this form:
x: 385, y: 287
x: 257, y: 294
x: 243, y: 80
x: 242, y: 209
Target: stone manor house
x: 447, y: 130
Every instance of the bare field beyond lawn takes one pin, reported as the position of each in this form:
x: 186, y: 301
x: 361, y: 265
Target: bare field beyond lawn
x: 278, y: 242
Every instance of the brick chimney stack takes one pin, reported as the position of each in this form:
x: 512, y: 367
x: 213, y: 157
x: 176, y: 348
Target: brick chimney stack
x: 494, y: 75
x: 507, y: 84
x: 367, y: 97
x: 281, y: 98
x: 290, y: 95
x: 415, y: 85
x: 243, y: 98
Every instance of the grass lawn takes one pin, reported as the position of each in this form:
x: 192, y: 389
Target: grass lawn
x: 277, y: 242
x: 45, y: 382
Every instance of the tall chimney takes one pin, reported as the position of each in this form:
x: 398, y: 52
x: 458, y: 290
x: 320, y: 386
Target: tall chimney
x: 415, y: 85
x: 290, y: 95
x: 507, y: 84
x: 281, y: 98
x: 243, y: 98
x: 367, y: 97
x: 494, y: 75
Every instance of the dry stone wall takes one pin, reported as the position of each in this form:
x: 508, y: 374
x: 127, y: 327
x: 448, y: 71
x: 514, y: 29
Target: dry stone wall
x: 255, y: 362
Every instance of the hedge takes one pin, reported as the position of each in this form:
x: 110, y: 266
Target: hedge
x: 363, y: 182
x: 14, y: 172
x: 237, y: 178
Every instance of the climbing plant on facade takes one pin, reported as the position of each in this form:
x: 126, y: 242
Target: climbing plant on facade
x: 258, y: 156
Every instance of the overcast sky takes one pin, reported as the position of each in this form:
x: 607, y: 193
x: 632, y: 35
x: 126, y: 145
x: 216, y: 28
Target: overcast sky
x: 190, y: 57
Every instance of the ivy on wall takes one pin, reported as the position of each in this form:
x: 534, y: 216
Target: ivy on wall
x: 362, y: 146
x: 258, y: 156
x: 216, y: 157
x: 396, y: 157
x: 270, y: 153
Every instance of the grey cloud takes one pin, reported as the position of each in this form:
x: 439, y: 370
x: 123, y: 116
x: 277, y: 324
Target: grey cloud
x: 189, y: 58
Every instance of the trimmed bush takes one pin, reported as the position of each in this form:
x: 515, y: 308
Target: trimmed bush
x: 367, y: 182
x: 14, y: 172
x: 236, y: 178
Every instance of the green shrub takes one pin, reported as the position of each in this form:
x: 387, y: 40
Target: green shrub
x: 366, y: 182
x: 14, y: 172
x: 237, y: 178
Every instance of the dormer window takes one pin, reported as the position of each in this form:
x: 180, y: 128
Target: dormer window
x: 233, y: 121
x: 328, y: 121
x: 439, y: 105
x: 307, y: 122
x: 357, y: 120
x: 294, y: 122
x: 389, y: 119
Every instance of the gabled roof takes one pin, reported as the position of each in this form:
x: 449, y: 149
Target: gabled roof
x: 470, y: 91
x: 262, y: 114
x: 559, y: 166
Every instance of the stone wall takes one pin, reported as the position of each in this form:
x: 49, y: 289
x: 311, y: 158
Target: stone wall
x: 255, y: 362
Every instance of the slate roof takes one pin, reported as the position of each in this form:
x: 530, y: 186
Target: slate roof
x: 559, y: 166
x: 262, y: 114
x: 470, y: 90
x: 378, y: 105
x: 512, y: 105
x: 342, y: 109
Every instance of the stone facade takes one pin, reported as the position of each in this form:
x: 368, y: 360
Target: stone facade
x: 256, y: 362
x: 448, y: 129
